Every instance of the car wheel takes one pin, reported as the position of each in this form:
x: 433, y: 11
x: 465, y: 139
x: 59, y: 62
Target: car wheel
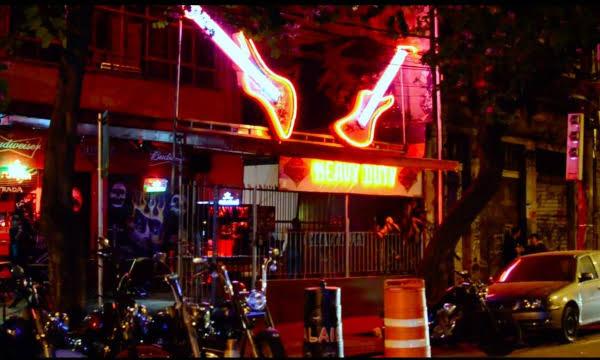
x: 569, y: 324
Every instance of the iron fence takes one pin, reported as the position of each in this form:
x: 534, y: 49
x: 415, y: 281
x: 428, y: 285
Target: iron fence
x: 248, y: 222
x: 313, y: 254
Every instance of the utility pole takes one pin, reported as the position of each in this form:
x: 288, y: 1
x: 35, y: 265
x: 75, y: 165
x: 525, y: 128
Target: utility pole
x: 103, y: 151
x: 178, y: 155
x: 589, y: 171
x: 596, y: 198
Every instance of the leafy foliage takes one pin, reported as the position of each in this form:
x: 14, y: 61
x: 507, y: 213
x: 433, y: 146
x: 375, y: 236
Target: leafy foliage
x: 497, y: 60
x: 45, y: 22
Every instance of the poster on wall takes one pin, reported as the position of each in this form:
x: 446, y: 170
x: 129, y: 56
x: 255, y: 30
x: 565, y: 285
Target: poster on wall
x: 140, y: 223
x: 316, y: 175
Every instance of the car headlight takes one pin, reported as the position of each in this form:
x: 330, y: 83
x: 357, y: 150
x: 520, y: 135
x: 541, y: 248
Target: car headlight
x: 528, y: 304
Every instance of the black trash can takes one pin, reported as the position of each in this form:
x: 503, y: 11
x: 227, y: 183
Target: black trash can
x: 323, y: 336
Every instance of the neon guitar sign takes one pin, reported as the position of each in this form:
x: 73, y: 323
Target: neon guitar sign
x: 275, y: 93
x: 358, y: 127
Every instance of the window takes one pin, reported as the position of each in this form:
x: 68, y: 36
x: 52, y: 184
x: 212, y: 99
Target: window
x: 555, y: 268
x: 586, y: 266
x: 123, y: 40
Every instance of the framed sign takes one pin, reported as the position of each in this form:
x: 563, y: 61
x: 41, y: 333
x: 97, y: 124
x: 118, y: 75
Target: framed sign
x: 316, y: 175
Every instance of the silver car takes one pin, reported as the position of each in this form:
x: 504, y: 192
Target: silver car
x: 558, y: 290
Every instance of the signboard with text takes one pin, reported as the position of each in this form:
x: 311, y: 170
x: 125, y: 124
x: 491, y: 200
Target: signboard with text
x: 316, y: 175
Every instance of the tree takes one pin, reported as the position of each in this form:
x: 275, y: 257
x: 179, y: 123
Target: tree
x: 70, y: 27
x: 501, y: 65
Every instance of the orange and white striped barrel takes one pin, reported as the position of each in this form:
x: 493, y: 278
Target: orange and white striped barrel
x: 405, y: 318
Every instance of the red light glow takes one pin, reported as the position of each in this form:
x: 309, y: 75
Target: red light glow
x: 358, y: 127
x: 281, y: 113
x: 507, y: 272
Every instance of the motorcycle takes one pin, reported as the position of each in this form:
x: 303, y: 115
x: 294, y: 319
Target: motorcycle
x: 120, y: 327
x: 234, y: 319
x: 177, y: 328
x: 463, y: 315
x: 37, y: 332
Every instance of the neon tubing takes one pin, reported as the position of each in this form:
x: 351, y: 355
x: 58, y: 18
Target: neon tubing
x: 249, y: 48
x: 382, y: 85
x: 241, y: 59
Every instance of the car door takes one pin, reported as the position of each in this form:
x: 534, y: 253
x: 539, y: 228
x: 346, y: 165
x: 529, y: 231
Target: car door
x: 589, y: 290
x: 596, y: 261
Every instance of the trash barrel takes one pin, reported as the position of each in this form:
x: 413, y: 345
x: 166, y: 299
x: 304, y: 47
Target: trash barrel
x: 323, y: 322
x: 405, y: 318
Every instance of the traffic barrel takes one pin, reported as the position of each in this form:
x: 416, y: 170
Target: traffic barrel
x: 323, y: 322
x: 405, y: 318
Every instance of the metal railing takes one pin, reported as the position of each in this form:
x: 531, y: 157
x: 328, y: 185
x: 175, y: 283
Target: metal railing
x: 268, y: 218
x: 314, y: 254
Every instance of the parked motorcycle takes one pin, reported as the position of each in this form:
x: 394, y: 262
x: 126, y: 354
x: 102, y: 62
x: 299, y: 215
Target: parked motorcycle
x: 235, y: 319
x: 120, y: 328
x: 463, y: 315
x: 37, y: 332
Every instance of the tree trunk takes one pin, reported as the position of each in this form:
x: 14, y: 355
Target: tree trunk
x: 457, y: 222
x: 65, y: 246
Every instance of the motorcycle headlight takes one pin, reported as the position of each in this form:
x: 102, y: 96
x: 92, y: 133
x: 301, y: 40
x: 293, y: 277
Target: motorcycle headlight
x: 528, y: 304
x: 256, y: 300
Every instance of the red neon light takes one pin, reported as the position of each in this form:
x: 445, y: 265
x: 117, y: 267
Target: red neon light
x: 509, y: 270
x: 282, y: 113
x: 275, y: 93
x: 358, y: 127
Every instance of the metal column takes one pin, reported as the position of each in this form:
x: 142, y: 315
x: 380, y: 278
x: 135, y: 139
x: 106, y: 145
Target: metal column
x: 347, y: 232
x: 103, y: 152
x: 254, y: 239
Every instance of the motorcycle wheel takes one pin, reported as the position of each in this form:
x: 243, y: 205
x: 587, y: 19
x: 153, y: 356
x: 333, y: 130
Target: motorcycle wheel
x: 451, y: 336
x: 269, y: 345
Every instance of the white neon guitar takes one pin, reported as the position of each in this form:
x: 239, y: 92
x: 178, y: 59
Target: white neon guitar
x: 358, y: 127
x: 275, y: 93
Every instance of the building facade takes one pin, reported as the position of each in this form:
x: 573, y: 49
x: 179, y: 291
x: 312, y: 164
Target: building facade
x: 225, y: 148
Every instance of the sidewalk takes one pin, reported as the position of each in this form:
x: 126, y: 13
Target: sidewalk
x: 359, y: 340
x: 358, y: 336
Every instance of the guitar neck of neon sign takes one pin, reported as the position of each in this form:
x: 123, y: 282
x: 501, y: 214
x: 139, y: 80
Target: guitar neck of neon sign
x: 275, y: 93
x: 358, y: 127
x: 239, y: 57
x: 382, y: 86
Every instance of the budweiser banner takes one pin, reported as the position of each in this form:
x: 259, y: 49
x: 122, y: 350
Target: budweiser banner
x: 316, y: 175
x: 24, y: 147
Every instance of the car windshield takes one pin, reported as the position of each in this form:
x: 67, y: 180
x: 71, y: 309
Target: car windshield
x: 540, y: 268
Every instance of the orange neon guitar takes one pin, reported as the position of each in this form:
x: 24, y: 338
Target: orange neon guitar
x: 358, y: 127
x: 275, y: 93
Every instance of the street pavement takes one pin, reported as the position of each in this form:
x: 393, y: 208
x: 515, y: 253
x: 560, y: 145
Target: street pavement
x: 588, y: 345
x: 359, y: 341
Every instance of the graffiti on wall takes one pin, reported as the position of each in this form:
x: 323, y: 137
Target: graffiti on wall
x: 551, y: 212
x: 148, y: 218
x: 140, y: 224
x: 487, y: 231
